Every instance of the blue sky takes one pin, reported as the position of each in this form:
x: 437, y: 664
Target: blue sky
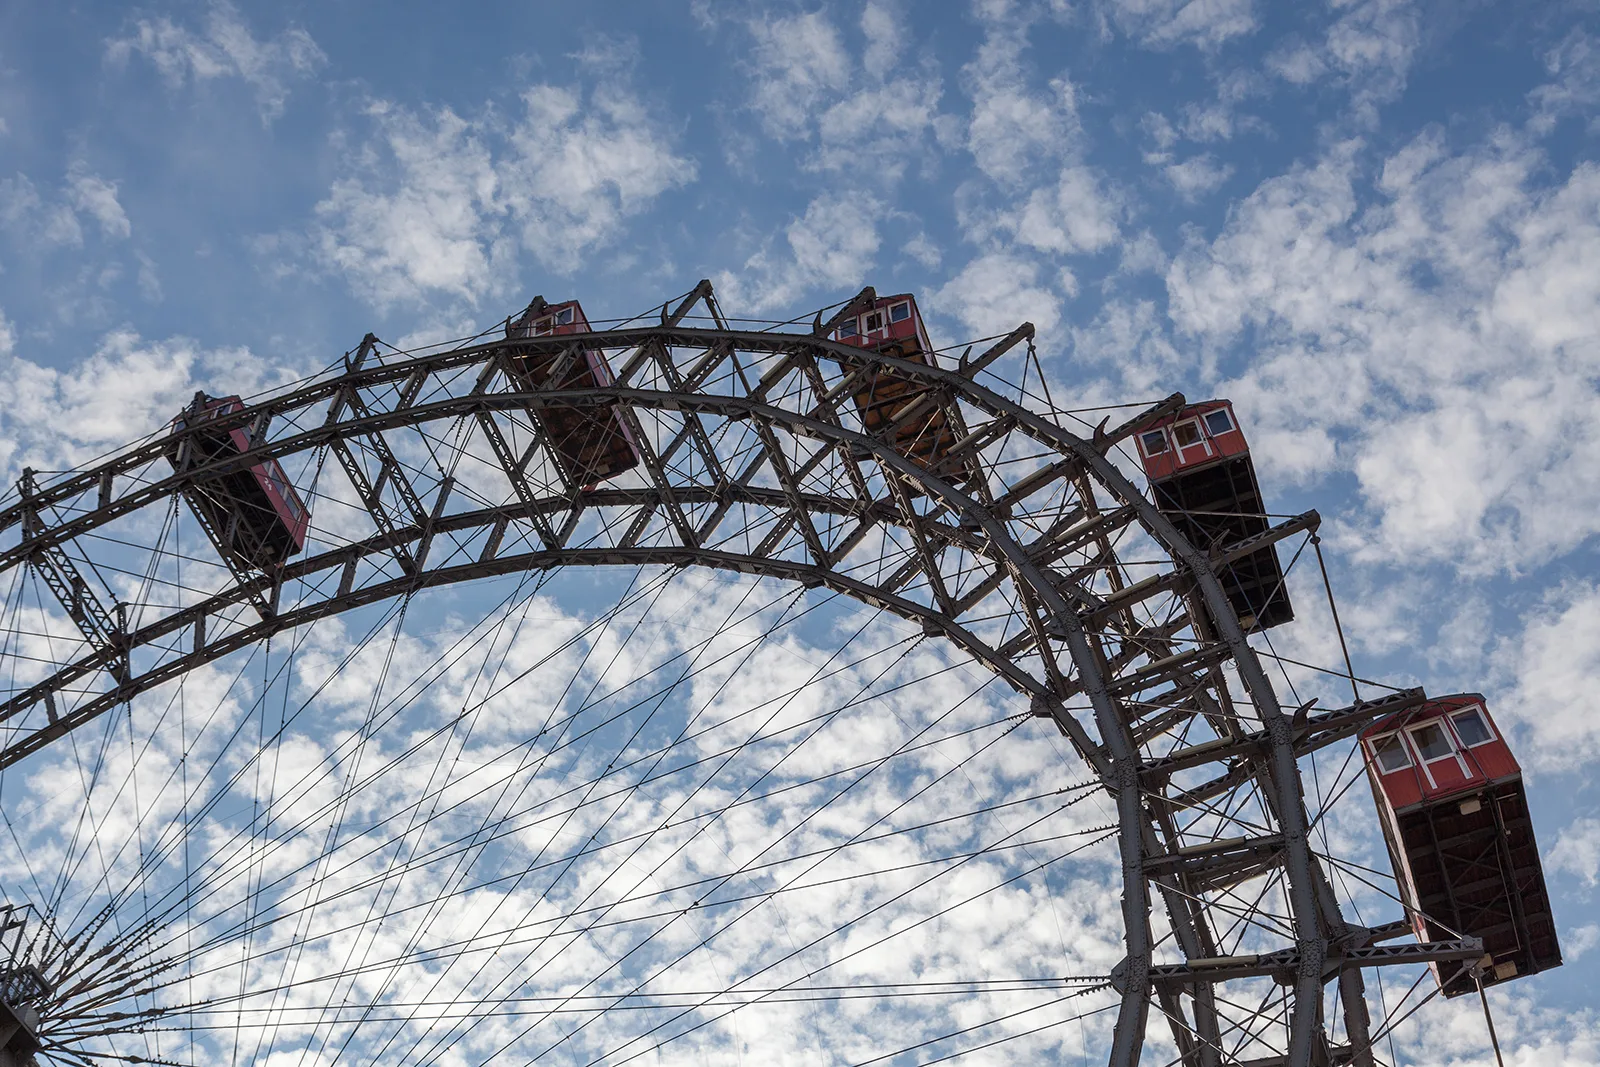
x: 1374, y: 224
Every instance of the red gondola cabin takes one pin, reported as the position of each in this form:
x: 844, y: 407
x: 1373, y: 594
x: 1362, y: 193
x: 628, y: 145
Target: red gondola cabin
x: 1455, y: 817
x: 1200, y: 472
x: 892, y: 326
x: 590, y: 442
x: 252, y: 514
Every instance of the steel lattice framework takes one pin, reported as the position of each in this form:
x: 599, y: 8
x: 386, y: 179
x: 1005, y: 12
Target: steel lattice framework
x: 1025, y: 545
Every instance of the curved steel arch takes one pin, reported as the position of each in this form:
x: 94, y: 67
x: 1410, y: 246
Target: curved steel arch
x: 755, y: 460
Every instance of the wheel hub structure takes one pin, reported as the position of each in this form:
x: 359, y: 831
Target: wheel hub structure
x: 1022, y: 543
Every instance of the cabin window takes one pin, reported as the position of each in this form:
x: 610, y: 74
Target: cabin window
x: 900, y: 312
x: 1186, y: 434
x: 1391, y: 754
x: 1154, y: 442
x: 563, y: 316
x: 1471, y: 727
x: 543, y: 325
x: 1431, y: 742
x: 847, y: 329
x: 285, y: 491
x: 873, y: 321
x: 280, y: 487
x: 1218, y: 422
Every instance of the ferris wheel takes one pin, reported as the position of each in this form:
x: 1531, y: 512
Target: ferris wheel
x: 912, y: 728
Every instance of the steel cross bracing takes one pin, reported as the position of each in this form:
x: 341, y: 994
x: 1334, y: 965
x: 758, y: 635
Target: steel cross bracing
x: 1013, y: 547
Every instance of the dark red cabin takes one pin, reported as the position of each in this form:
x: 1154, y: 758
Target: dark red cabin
x: 252, y: 514
x: 1203, y: 480
x: 892, y: 326
x: 1455, y: 817
x: 590, y: 442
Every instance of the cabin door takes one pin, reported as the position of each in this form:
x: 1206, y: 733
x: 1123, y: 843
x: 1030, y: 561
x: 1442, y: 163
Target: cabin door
x: 1442, y: 765
x: 873, y: 327
x: 1193, y: 445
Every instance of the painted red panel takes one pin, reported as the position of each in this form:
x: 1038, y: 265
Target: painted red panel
x: 560, y: 319
x: 1189, y: 440
x: 1465, y: 762
x: 876, y: 326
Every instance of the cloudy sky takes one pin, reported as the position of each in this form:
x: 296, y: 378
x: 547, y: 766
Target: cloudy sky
x: 1373, y: 224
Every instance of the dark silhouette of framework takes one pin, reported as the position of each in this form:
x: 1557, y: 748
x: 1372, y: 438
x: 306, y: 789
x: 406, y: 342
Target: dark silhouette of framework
x: 754, y: 458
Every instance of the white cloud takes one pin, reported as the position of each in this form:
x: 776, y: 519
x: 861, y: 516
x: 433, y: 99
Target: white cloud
x: 1014, y: 128
x: 1203, y: 122
x: 1041, y: 198
x: 1373, y: 43
x: 1197, y: 176
x: 24, y: 211
x: 584, y: 167
x: 149, y: 279
x: 1076, y: 216
x: 1206, y: 24
x: 1430, y: 328
x: 443, y: 204
x: 832, y: 246
x: 437, y: 226
x: 1218, y: 120
x: 796, y: 62
x: 1553, y: 665
x: 1163, y: 134
x: 226, y: 47
x: 1574, y: 67
x: 1575, y: 943
x: 876, y: 132
x: 127, y: 389
x: 1297, y: 63
x: 1130, y: 343
x: 922, y: 249
x: 96, y: 197
x: 1368, y: 47
x: 1577, y: 851
x: 995, y: 292
x: 54, y: 220
x: 856, y: 95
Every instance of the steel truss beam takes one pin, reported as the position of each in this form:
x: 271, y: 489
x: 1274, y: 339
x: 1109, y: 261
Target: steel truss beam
x: 754, y: 459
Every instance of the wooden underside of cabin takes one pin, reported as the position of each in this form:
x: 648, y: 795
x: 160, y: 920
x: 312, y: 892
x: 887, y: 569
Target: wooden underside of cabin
x: 1475, y: 868
x: 1220, y: 505
x: 884, y: 397
x: 587, y: 440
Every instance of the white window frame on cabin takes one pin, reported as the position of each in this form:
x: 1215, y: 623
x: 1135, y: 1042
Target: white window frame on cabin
x: 1205, y: 422
x: 1483, y: 720
x: 1166, y: 443
x: 1201, y: 438
x: 1425, y: 762
x: 1374, y: 745
x: 904, y: 305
